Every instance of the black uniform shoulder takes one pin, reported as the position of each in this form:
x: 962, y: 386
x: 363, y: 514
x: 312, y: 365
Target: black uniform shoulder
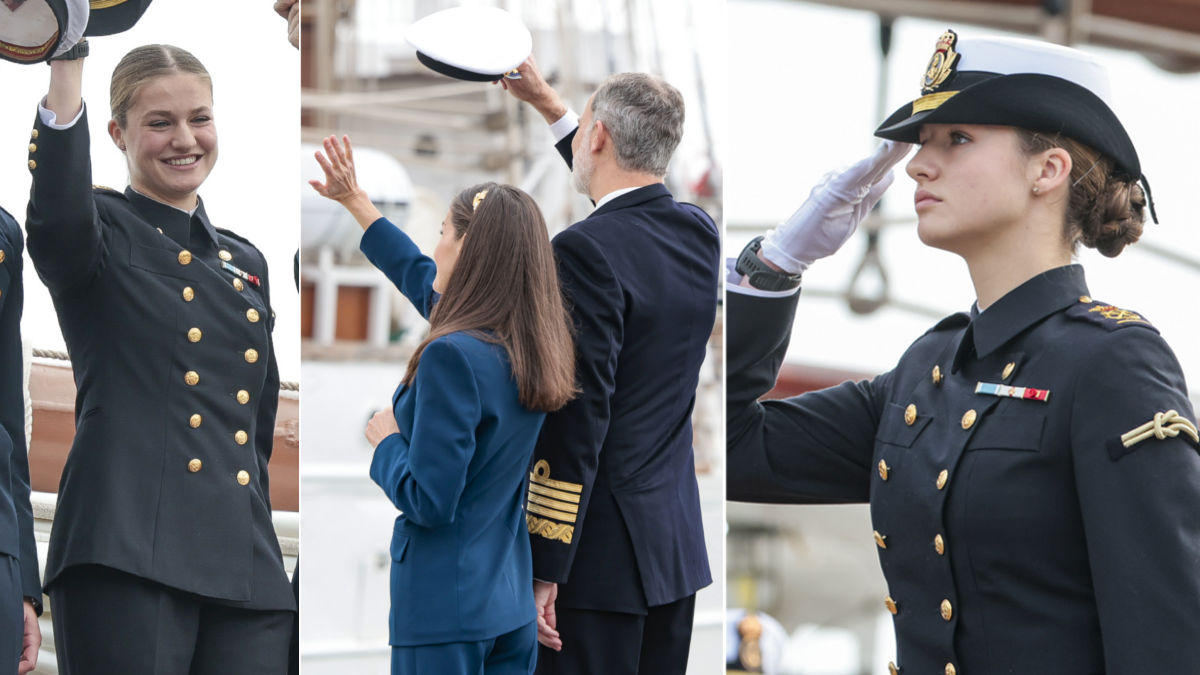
x: 1106, y: 316
x: 241, y: 240
x: 950, y: 323
x: 104, y: 190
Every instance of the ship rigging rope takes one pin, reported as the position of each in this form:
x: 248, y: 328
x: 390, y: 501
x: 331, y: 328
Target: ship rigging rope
x: 63, y: 356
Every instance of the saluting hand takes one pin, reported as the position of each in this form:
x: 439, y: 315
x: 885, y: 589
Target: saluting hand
x: 832, y: 211
x: 341, y: 182
x: 544, y: 595
x: 382, y: 425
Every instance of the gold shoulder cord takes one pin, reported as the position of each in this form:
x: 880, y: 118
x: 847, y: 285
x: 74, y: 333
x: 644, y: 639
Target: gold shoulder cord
x: 1164, y: 425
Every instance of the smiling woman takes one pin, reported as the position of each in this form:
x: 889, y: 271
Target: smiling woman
x: 162, y: 536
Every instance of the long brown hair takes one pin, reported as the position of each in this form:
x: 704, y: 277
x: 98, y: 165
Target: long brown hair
x: 505, y: 282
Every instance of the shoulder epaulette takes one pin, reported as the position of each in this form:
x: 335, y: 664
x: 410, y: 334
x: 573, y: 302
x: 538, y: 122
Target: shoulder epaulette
x: 104, y: 189
x: 1108, y: 316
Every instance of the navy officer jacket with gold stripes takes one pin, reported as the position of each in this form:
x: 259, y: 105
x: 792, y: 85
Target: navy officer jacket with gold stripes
x: 177, y: 385
x: 1017, y: 533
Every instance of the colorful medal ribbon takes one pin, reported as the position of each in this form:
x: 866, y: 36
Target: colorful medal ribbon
x: 1028, y: 393
x: 248, y: 277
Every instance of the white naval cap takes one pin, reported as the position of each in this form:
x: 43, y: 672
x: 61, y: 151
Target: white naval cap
x: 32, y: 31
x: 480, y: 44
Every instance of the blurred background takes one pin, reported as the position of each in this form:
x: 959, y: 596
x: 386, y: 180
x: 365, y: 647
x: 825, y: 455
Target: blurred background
x: 808, y: 84
x: 420, y: 138
x: 252, y: 190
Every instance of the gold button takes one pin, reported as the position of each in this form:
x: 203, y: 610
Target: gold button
x: 241, y: 437
x: 947, y: 610
x: 883, y: 469
x: 891, y: 605
x: 910, y: 414
x: 937, y: 376
x: 195, y: 465
x: 1085, y: 298
x: 188, y: 294
x: 238, y: 285
x: 1008, y: 370
x: 191, y: 377
x: 225, y: 255
x: 892, y: 669
x: 34, y: 133
x: 3, y: 255
x: 243, y: 396
x: 159, y: 230
x: 942, y: 478
x: 243, y: 478
x: 185, y: 257
x: 252, y: 315
x: 968, y: 419
x: 32, y: 165
x: 879, y: 540
x: 939, y: 545
x: 251, y: 355
x: 194, y: 335
x: 951, y: 670
x: 195, y: 421
x: 33, y: 147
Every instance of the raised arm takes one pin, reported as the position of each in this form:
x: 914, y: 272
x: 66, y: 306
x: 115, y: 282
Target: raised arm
x: 65, y: 238
x: 385, y: 245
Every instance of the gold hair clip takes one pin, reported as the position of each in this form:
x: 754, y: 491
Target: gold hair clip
x: 478, y: 198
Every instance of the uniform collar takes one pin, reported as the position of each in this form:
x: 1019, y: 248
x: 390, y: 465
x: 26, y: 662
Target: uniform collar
x: 1019, y: 309
x: 174, y: 222
x: 633, y: 198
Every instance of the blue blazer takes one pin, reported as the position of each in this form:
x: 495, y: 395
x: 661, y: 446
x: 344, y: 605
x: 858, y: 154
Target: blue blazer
x: 461, y: 565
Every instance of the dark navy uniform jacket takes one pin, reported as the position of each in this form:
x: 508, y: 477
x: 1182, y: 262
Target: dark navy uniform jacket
x: 461, y: 569
x: 16, y: 512
x: 177, y: 385
x: 614, y: 508
x: 1017, y: 535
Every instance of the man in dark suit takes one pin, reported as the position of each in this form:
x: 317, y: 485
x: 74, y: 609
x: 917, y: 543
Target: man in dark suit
x: 20, y: 636
x: 613, y: 507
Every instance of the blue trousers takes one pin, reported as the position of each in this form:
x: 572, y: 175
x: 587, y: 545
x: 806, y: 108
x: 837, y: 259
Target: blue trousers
x: 513, y: 653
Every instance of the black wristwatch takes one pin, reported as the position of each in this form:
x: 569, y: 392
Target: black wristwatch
x: 760, y: 274
x: 79, y: 51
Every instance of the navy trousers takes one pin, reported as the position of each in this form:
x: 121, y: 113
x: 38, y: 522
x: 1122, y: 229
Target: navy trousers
x: 616, y: 643
x: 108, y: 621
x: 12, y: 614
x: 513, y: 653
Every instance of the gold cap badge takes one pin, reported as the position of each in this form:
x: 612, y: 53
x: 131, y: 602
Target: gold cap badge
x: 941, y: 64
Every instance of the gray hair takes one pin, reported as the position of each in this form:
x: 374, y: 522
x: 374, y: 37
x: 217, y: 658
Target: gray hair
x: 644, y: 116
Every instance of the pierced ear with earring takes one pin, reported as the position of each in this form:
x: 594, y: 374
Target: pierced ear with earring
x: 1036, y: 189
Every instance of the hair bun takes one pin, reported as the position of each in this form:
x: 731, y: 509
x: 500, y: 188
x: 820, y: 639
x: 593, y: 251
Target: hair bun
x: 1117, y: 220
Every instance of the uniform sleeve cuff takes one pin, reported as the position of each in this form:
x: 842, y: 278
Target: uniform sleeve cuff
x: 51, y: 120
x: 565, y: 125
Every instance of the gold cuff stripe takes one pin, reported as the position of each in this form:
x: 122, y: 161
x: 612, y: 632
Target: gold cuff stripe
x: 553, y: 504
x: 557, y: 494
x: 551, y: 513
x: 104, y: 4
x: 541, y: 476
x: 931, y: 101
x: 1165, y: 425
x: 550, y: 530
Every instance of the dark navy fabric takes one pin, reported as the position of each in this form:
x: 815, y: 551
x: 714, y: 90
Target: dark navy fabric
x: 1016, y: 535
x: 151, y: 486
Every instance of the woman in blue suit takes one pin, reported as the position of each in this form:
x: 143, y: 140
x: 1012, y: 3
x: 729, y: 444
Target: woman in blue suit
x: 454, y: 452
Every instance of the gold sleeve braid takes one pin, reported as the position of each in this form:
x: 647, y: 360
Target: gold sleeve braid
x: 556, y: 500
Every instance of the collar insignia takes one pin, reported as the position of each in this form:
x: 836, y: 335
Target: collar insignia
x: 941, y: 64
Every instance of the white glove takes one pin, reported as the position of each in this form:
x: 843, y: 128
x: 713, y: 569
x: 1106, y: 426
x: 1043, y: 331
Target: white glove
x: 832, y: 211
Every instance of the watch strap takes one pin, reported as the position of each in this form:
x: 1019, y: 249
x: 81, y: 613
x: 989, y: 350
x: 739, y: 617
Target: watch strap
x: 759, y: 273
x: 79, y: 51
